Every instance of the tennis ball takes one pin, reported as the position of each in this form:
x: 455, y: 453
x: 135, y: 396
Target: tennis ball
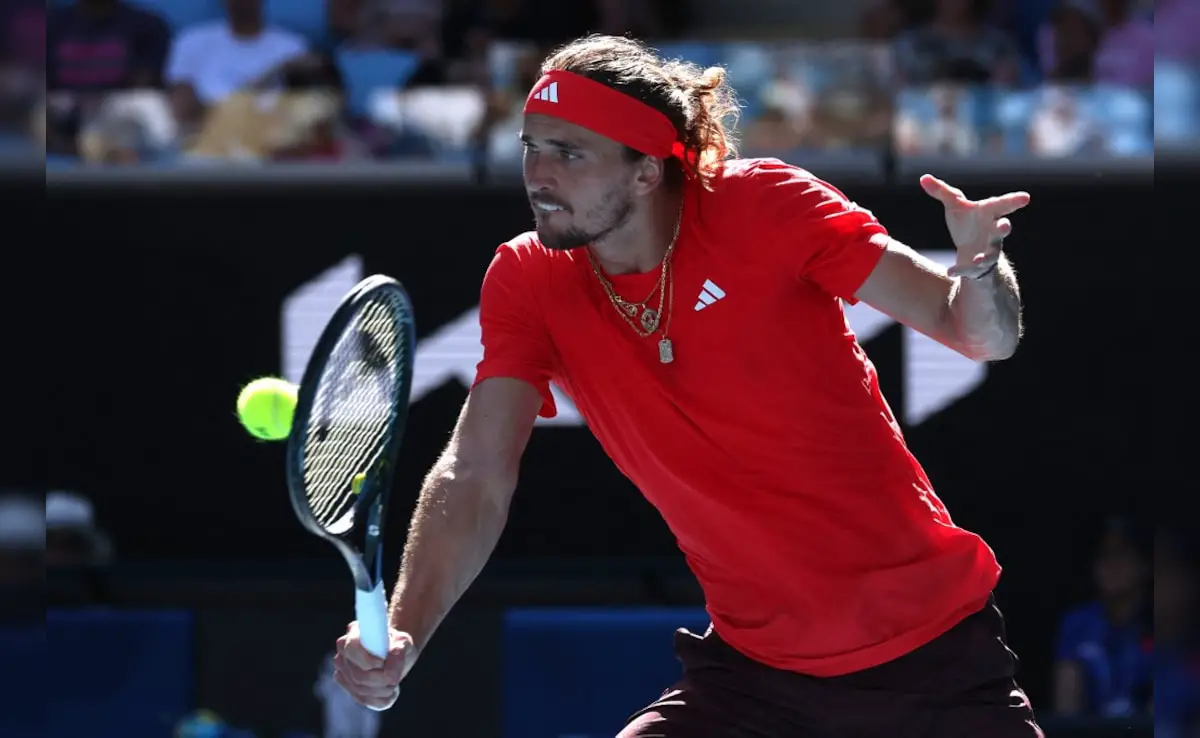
x: 357, y: 483
x: 265, y: 407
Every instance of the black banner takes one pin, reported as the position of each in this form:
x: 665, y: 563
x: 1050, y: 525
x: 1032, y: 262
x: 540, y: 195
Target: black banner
x: 182, y: 292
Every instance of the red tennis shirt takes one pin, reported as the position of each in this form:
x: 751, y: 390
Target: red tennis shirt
x: 766, y: 445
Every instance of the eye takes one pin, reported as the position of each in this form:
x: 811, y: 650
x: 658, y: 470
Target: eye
x: 567, y: 155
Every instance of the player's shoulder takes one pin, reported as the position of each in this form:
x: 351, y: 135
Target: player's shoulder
x: 528, y: 248
x: 755, y: 180
x: 770, y: 186
x: 524, y: 255
x: 523, y: 269
x: 523, y: 246
x: 760, y: 172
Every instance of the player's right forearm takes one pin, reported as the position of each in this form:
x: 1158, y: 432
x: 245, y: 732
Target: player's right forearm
x: 457, y: 522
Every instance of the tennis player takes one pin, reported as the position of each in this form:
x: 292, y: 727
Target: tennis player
x: 691, y: 305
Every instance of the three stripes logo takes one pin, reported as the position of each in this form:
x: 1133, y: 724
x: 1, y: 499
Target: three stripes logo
x: 709, y: 294
x: 549, y: 93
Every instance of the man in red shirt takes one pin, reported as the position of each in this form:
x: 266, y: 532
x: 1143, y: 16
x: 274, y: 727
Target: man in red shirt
x: 691, y: 305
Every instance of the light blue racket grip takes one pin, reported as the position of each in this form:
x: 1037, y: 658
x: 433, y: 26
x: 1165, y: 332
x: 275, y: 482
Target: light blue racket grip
x: 370, y: 608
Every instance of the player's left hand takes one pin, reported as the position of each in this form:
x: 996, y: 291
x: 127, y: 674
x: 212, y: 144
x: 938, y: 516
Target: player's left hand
x: 977, y: 227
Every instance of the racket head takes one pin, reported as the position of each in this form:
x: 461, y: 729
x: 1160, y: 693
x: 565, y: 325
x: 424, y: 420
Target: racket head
x: 351, y: 411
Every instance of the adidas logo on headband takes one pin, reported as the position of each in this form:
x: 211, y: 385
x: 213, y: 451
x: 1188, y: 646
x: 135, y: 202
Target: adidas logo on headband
x: 606, y: 111
x: 549, y: 93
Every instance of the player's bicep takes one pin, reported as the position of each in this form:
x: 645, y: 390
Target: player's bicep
x: 493, y: 430
x: 912, y: 289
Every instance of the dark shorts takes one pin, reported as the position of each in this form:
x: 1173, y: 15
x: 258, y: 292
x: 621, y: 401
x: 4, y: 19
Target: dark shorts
x: 961, y: 685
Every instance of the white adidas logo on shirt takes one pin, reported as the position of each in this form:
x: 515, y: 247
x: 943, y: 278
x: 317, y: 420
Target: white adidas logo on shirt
x: 549, y: 93
x: 709, y: 294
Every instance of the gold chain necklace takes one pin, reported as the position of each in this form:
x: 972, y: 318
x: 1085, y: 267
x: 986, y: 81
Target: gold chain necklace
x: 650, y: 318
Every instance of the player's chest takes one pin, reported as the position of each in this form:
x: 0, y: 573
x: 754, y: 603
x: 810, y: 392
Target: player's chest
x: 719, y: 321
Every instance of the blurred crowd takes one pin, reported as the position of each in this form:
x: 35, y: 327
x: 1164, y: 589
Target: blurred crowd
x: 175, y: 81
x: 1129, y: 650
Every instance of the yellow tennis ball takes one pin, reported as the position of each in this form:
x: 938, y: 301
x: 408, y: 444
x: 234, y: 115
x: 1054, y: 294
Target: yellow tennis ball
x: 357, y: 483
x: 265, y: 407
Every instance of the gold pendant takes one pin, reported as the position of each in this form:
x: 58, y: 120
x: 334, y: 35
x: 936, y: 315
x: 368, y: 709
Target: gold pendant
x: 666, y: 352
x: 649, y: 320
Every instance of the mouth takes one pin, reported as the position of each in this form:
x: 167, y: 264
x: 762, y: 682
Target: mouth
x: 547, y: 207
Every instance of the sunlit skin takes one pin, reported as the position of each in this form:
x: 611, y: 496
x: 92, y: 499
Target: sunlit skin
x: 621, y: 209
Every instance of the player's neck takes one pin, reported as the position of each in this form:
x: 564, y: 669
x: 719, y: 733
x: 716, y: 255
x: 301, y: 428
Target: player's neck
x: 640, y: 245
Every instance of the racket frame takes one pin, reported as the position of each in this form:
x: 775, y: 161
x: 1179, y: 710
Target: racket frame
x: 365, y: 559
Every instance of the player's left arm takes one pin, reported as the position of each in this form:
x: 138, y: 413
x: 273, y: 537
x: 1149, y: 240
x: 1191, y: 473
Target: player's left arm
x: 975, y: 306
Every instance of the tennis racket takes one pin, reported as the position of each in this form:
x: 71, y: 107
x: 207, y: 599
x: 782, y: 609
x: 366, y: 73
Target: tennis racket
x: 350, y: 414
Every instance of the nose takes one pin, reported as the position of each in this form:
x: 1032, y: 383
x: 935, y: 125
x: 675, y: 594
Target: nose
x: 539, y: 177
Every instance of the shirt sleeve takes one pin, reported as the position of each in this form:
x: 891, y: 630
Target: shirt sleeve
x: 821, y: 236
x: 515, y: 341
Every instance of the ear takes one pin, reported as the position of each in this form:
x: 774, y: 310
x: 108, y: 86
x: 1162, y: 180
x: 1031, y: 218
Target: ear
x: 648, y: 173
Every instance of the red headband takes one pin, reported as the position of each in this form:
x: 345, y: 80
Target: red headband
x: 601, y: 109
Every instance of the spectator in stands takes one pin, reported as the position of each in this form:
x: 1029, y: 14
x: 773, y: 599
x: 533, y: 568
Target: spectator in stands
x: 130, y: 127
x: 23, y: 34
x: 72, y: 538
x: 1103, y: 660
x: 22, y: 563
x: 211, y: 61
x: 1177, y: 30
x: 37, y: 124
x: 103, y: 45
x: 343, y: 18
x: 786, y: 117
x: 408, y: 25
x: 946, y: 134
x: 1176, y: 646
x: 500, y: 129
x: 22, y: 539
x: 415, y: 26
x: 1121, y: 44
x: 94, y: 47
x: 855, y: 110
x: 958, y: 46
x: 296, y: 114
x: 1070, y: 43
x: 314, y: 92
x: 22, y: 70
x: 880, y: 20
x: 1057, y: 128
x: 774, y: 132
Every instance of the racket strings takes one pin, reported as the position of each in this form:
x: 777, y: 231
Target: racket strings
x: 353, y: 408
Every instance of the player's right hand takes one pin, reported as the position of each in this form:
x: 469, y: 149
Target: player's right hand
x: 371, y: 681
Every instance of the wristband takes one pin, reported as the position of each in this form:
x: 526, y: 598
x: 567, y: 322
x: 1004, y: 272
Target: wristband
x: 985, y: 272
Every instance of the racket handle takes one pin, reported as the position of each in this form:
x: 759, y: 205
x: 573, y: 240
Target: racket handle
x: 370, y: 608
